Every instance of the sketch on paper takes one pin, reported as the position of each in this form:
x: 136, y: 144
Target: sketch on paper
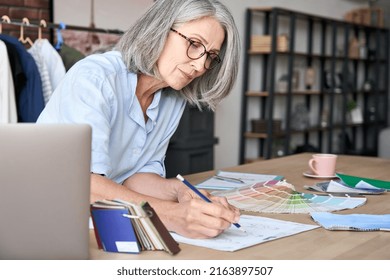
x: 258, y: 230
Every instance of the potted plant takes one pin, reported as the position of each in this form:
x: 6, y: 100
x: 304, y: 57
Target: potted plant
x: 354, y: 113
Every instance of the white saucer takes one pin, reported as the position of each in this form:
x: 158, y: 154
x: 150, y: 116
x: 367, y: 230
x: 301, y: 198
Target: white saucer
x: 311, y: 175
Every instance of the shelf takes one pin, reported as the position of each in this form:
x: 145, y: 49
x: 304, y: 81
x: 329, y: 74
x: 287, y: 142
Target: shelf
x: 308, y: 92
x: 265, y: 93
x: 256, y: 135
x: 318, y: 56
x: 325, y: 39
x: 311, y: 129
x: 251, y: 160
x: 316, y: 18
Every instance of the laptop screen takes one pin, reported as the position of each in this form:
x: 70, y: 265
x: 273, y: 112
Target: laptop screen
x: 45, y: 190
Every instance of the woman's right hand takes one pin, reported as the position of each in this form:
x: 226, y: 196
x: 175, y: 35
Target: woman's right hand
x: 196, y: 218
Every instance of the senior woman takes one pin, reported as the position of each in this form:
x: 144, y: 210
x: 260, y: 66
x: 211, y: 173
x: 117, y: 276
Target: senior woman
x: 133, y: 97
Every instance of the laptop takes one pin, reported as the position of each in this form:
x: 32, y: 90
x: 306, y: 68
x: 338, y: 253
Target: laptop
x: 44, y: 191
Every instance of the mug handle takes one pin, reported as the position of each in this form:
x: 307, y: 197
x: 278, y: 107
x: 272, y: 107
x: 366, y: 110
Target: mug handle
x: 311, y: 165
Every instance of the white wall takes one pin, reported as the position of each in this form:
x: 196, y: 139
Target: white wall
x: 114, y: 14
x: 227, y: 120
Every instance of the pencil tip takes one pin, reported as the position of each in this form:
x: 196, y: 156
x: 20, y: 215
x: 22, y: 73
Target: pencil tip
x: 180, y: 177
x: 239, y: 227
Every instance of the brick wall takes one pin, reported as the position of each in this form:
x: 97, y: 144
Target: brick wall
x: 34, y: 10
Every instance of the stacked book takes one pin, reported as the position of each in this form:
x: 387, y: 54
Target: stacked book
x: 261, y: 126
x: 263, y: 43
x: 368, y: 16
x: 122, y: 226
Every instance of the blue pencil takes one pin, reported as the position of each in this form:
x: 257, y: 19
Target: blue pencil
x: 202, y: 196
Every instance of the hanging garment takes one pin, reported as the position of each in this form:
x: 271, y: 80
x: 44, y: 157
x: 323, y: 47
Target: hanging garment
x: 30, y: 102
x: 8, y: 113
x: 50, y: 66
x: 70, y: 56
x: 18, y: 76
x: 47, y: 89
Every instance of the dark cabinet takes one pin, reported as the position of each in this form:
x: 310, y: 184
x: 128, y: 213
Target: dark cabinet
x: 191, y: 148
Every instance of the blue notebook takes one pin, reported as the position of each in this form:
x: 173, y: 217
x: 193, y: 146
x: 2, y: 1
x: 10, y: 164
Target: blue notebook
x: 115, y: 231
x: 355, y: 222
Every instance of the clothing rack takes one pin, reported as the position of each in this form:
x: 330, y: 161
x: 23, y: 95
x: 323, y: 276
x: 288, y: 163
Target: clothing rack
x: 43, y: 24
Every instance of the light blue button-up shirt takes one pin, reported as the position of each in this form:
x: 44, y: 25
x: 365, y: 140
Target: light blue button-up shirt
x: 100, y: 91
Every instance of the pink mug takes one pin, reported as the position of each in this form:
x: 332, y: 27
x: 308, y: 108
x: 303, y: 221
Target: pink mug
x: 323, y: 164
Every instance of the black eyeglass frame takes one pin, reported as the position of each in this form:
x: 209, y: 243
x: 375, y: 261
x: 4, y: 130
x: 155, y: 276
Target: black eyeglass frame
x: 210, y: 55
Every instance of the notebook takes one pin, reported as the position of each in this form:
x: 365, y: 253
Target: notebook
x: 44, y: 191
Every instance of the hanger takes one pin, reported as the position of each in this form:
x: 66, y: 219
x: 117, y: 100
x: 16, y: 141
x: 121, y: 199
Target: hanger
x: 42, y: 23
x: 26, y: 22
x: 4, y: 19
x: 60, y: 40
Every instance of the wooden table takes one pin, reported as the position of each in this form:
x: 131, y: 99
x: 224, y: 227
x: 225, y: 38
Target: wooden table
x: 317, y: 244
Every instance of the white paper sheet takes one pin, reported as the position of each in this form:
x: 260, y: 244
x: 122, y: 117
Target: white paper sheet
x: 355, y: 222
x: 217, y: 183
x: 258, y: 230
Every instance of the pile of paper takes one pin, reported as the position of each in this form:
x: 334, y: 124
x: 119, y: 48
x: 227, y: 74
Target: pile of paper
x: 347, y: 184
x: 224, y: 180
x: 356, y: 222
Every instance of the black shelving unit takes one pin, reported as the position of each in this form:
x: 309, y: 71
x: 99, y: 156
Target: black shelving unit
x: 342, y: 77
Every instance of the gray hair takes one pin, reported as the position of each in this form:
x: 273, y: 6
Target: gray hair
x: 143, y: 43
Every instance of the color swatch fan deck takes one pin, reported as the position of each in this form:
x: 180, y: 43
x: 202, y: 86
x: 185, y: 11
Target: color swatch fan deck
x: 281, y: 197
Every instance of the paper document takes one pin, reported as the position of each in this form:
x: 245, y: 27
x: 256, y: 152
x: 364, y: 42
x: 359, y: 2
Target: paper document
x: 338, y: 186
x: 231, y: 180
x: 356, y: 222
x: 258, y: 230
x: 353, y: 181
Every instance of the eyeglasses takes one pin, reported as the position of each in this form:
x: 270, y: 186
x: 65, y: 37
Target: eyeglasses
x: 196, y: 50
